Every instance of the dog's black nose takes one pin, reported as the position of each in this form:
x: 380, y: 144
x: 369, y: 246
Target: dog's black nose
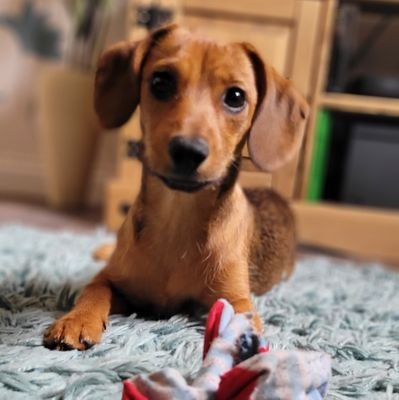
x: 187, y: 153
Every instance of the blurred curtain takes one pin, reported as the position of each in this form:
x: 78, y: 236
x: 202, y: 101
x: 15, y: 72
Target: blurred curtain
x: 33, y: 33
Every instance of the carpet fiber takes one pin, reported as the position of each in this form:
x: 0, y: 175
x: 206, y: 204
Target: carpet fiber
x: 350, y: 312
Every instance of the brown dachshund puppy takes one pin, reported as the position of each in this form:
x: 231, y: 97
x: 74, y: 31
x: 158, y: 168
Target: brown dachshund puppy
x: 192, y: 234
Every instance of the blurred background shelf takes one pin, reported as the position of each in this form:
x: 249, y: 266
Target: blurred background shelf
x: 352, y: 138
x: 360, y: 231
x: 270, y: 9
x: 360, y: 104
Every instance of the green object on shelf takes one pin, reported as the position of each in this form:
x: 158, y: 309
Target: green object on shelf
x: 320, y: 156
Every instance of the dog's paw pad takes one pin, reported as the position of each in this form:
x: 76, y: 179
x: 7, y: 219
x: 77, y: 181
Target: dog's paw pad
x: 73, y: 332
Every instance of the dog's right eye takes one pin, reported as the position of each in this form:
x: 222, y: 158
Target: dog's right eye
x: 234, y: 99
x: 163, y: 85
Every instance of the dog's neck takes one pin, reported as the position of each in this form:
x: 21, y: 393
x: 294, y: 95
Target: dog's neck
x: 161, y: 202
x: 168, y: 219
x: 157, y: 195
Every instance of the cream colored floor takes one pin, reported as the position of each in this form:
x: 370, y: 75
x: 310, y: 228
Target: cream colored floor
x: 40, y: 216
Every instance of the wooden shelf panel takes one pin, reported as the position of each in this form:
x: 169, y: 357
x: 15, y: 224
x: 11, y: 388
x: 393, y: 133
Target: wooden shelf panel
x: 360, y: 104
x: 360, y: 231
x: 271, y: 8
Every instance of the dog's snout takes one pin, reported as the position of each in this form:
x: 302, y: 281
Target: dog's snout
x: 187, y: 153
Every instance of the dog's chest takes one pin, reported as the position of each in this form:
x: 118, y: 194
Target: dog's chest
x: 179, y: 252
x: 170, y: 273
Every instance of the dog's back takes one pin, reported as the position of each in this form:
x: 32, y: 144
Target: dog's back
x: 273, y: 244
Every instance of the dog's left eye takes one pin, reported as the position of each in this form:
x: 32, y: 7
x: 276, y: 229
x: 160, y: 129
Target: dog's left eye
x: 234, y: 99
x: 163, y: 85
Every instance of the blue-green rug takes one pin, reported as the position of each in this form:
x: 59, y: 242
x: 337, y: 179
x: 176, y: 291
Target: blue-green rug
x: 348, y: 311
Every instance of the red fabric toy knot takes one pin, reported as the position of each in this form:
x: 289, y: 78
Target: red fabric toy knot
x: 238, y: 366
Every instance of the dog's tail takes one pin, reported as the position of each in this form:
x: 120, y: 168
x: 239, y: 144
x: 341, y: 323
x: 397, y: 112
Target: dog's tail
x: 104, y: 252
x: 272, y: 252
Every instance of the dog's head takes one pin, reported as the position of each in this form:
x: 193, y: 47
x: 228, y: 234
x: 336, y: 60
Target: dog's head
x: 199, y: 101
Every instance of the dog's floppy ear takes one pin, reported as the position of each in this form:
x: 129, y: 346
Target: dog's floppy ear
x: 117, y: 83
x: 280, y: 117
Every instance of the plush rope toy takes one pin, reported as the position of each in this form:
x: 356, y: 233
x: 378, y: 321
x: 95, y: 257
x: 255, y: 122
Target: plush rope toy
x: 238, y: 365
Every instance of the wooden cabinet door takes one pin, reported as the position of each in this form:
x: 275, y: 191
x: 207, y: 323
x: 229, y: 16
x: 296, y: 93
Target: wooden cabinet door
x: 273, y: 9
x: 271, y: 40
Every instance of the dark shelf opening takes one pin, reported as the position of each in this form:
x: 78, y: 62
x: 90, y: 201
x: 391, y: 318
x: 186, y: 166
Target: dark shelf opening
x: 365, y: 50
x: 362, y: 161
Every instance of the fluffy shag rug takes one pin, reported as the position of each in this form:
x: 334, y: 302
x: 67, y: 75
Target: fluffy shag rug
x: 349, y: 311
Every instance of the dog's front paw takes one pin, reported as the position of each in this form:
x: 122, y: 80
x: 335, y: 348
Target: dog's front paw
x: 74, y: 331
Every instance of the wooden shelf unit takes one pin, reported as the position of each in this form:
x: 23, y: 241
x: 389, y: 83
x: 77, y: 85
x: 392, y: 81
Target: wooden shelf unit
x: 359, y: 231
